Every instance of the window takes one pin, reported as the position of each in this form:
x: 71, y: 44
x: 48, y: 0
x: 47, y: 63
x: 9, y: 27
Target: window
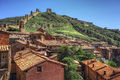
x: 39, y: 69
x: 34, y: 37
x: 39, y: 37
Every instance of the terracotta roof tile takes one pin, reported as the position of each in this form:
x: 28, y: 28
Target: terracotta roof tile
x: 100, y: 67
x: 28, y: 61
x: 87, y: 47
x: 51, y: 42
x: 109, y: 72
x: 31, y: 59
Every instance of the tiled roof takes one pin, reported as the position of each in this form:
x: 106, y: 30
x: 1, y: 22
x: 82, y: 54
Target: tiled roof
x: 100, y: 67
x: 26, y: 33
x: 116, y: 78
x: 31, y: 45
x: 87, y: 47
x: 112, y: 47
x: 4, y: 48
x: 109, y: 72
x: 50, y: 42
x: 99, y: 43
x: 28, y: 60
x: 31, y: 59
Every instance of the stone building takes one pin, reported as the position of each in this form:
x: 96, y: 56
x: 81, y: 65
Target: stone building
x: 105, y: 52
x: 115, y: 55
x: 95, y: 70
x: 110, y: 53
x: 51, y: 45
x: 49, y: 10
x: 34, y: 66
x: 99, y: 44
x: 5, y: 56
x: 4, y: 38
x: 88, y: 49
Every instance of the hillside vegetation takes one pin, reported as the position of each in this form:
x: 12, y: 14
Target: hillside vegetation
x: 66, y: 26
x: 11, y: 20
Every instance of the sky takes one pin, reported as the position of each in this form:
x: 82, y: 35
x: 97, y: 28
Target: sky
x: 103, y: 13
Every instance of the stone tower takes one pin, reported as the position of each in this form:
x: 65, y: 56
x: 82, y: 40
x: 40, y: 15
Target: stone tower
x: 26, y: 17
x: 49, y: 10
x: 21, y: 26
x: 31, y: 13
x: 37, y: 10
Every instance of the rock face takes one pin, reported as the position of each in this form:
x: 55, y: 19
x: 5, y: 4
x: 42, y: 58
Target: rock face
x: 49, y: 10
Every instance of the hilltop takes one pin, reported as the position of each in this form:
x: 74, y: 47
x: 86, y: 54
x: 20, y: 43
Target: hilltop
x: 62, y: 25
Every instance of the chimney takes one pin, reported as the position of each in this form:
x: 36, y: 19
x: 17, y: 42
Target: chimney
x: 104, y: 72
x: 28, y: 44
x: 2, y: 28
x: 87, y: 62
x: 93, y: 66
x: 20, y: 55
x: 21, y: 26
x: 7, y: 27
x: 42, y: 38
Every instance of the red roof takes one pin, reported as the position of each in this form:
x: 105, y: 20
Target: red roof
x: 99, y: 67
x: 31, y: 59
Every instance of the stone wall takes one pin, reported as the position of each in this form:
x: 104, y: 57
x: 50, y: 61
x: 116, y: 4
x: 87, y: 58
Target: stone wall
x: 50, y: 71
x: 49, y: 10
x: 4, y: 38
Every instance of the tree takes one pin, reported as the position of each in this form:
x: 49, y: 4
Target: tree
x: 80, y: 55
x: 112, y: 63
x: 68, y: 55
x: 71, y: 69
x: 65, y: 52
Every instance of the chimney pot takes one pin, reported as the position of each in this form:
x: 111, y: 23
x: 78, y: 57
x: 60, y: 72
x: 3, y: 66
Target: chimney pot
x: 104, y: 73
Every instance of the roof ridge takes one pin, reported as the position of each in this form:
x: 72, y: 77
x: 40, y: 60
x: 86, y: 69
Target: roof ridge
x: 101, y: 68
x: 48, y: 59
x: 112, y: 76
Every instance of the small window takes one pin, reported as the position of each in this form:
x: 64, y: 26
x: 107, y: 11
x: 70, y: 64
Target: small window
x: 39, y: 69
x: 39, y: 37
x: 34, y: 37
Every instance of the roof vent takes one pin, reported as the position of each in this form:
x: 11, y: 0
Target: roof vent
x: 20, y: 55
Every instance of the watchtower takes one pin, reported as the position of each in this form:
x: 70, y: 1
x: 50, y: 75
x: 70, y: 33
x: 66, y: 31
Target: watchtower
x: 31, y: 13
x: 49, y: 10
x: 37, y: 10
x: 26, y: 17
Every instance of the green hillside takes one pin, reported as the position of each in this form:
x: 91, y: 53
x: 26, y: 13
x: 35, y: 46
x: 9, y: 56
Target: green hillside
x: 72, y: 28
x: 11, y: 20
x: 63, y: 25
